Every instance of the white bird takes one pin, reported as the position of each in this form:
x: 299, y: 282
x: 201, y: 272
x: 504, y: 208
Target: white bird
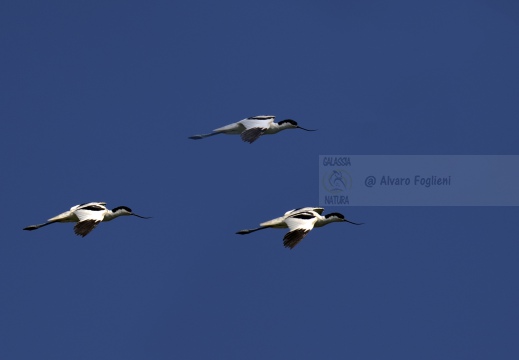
x: 299, y: 222
x: 250, y: 129
x: 87, y: 216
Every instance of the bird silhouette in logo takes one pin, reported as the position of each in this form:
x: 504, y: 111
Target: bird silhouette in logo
x: 337, y: 181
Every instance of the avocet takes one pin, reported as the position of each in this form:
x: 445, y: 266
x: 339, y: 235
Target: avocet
x: 250, y: 129
x: 299, y: 222
x: 87, y: 216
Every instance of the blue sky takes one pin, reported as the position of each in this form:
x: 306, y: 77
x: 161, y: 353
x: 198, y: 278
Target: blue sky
x: 98, y: 99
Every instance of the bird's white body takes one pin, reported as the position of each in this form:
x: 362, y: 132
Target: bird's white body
x: 87, y: 216
x: 250, y: 129
x: 82, y: 211
x: 262, y: 122
x: 299, y: 222
x: 280, y: 222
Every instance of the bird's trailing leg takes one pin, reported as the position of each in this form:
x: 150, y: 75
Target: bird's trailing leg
x: 34, y: 227
x: 203, y: 136
x: 248, y: 231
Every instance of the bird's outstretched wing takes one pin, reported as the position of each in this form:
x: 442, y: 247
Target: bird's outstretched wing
x: 318, y: 210
x: 299, y: 224
x: 82, y: 228
x: 293, y: 238
x: 89, y: 216
x: 255, y: 126
x: 94, y: 206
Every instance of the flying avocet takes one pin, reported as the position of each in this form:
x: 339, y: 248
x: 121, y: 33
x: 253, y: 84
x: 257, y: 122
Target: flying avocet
x: 87, y: 216
x: 299, y: 222
x: 250, y: 129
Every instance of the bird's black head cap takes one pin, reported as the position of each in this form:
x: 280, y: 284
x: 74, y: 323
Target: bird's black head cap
x: 289, y: 121
x: 339, y: 215
x: 122, y: 208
